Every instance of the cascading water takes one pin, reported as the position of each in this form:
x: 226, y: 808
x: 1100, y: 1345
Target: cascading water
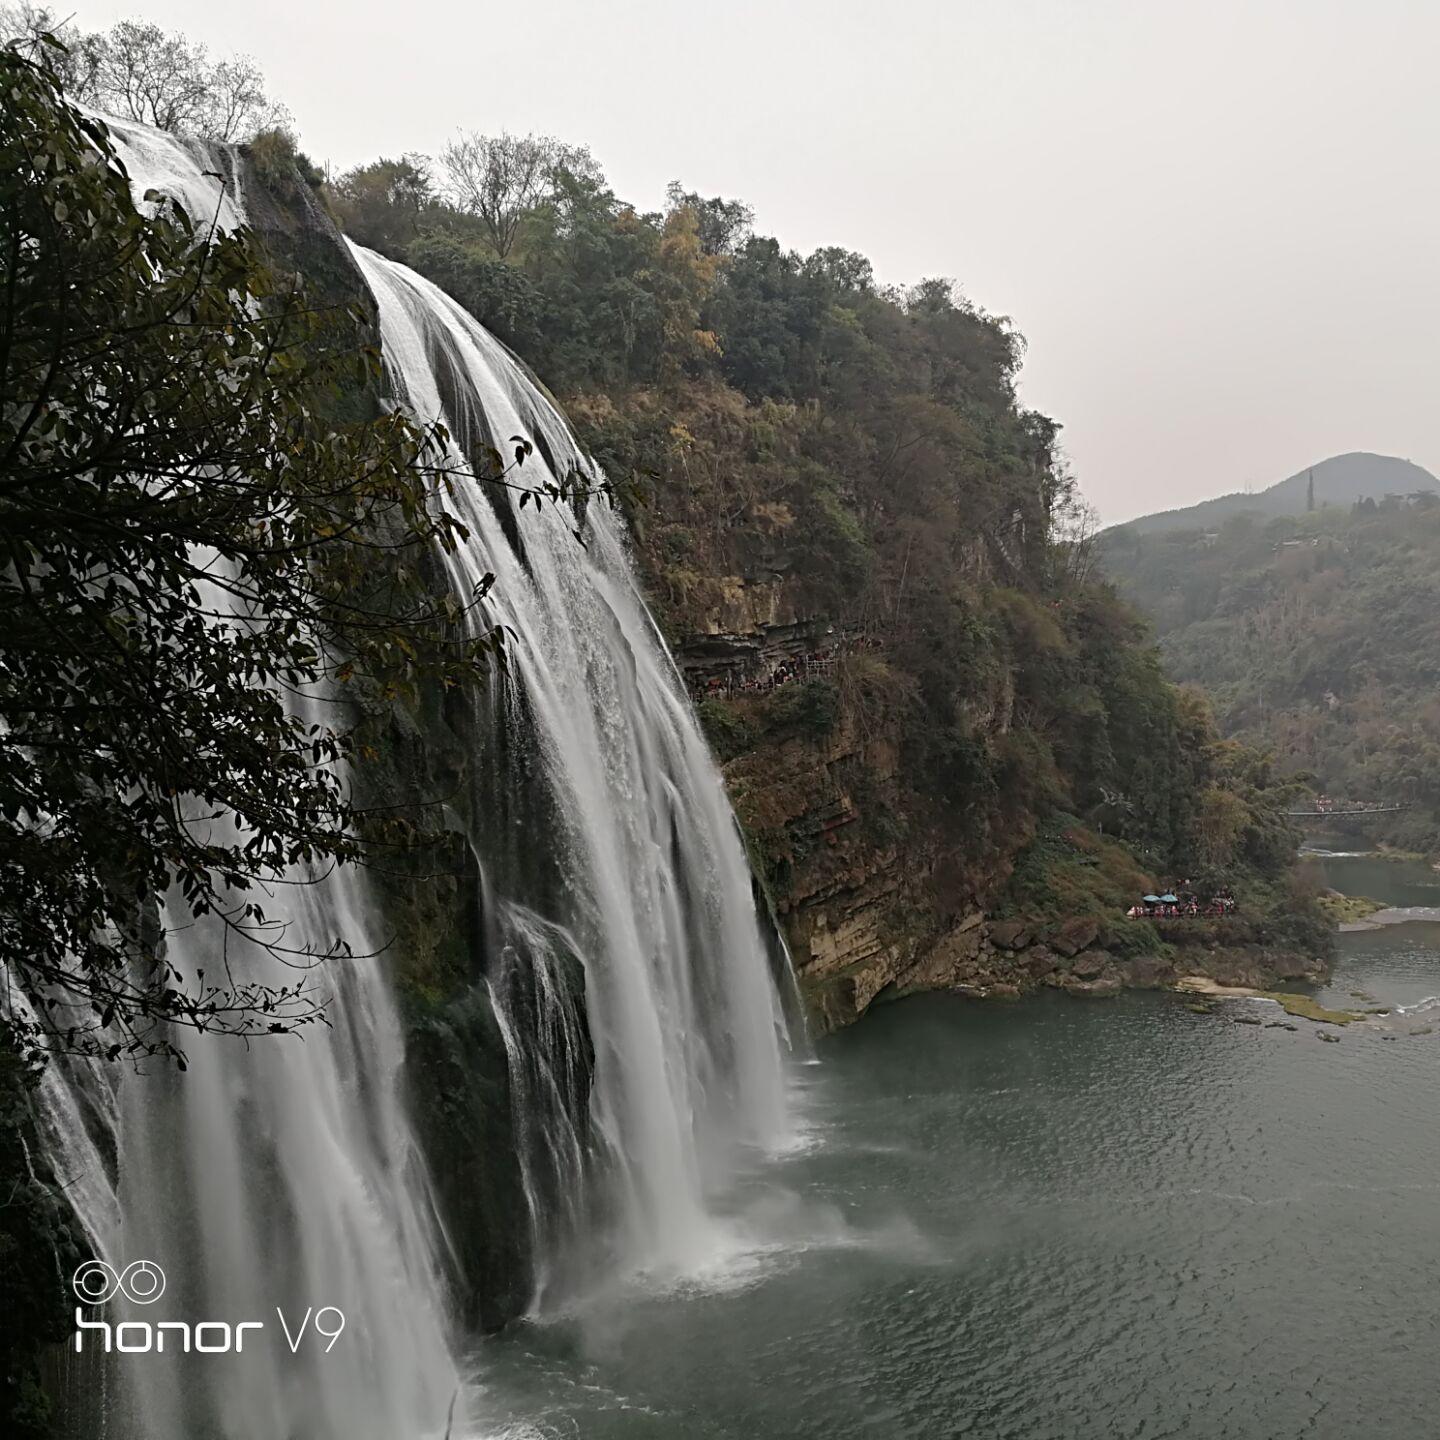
x: 276, y: 1178
x: 623, y: 955
x: 653, y: 903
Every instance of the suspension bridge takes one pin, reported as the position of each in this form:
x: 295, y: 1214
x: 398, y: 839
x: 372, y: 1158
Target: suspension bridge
x: 1358, y: 807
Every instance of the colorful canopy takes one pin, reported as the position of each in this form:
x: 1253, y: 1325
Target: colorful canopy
x: 1167, y: 899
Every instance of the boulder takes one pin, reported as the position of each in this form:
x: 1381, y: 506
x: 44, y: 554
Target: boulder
x: 1089, y: 964
x: 1105, y: 986
x: 1075, y: 935
x: 1039, y: 961
x: 1285, y: 965
x: 1147, y: 972
x: 1009, y: 934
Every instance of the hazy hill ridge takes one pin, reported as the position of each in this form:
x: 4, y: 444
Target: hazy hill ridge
x: 1317, y: 635
x: 1340, y: 480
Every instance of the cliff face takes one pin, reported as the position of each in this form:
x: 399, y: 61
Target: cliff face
x: 874, y: 566
x: 878, y: 897
x: 855, y: 890
x: 950, y: 748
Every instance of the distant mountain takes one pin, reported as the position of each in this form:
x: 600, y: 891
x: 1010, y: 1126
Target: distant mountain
x: 1316, y: 636
x: 1340, y: 480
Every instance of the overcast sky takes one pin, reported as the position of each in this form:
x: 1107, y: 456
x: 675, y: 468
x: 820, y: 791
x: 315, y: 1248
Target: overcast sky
x: 1216, y: 221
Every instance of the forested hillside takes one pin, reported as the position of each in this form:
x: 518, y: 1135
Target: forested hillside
x: 869, y: 558
x: 1319, y: 638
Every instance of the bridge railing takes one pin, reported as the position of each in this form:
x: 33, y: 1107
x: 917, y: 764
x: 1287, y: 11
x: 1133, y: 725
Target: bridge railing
x: 1361, y: 809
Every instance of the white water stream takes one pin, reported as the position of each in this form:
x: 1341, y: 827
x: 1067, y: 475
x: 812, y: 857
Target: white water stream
x: 656, y: 904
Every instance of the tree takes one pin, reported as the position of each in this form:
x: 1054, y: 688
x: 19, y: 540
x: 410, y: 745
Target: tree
x: 681, y: 280
x: 380, y: 204
x: 722, y: 225
x: 499, y: 178
x: 501, y: 296
x: 73, y: 64
x: 841, y: 269
x: 136, y: 71
x: 168, y: 81
x: 185, y: 539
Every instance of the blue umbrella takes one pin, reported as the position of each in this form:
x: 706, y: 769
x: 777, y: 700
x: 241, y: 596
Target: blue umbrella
x: 1167, y: 899
x: 1151, y: 899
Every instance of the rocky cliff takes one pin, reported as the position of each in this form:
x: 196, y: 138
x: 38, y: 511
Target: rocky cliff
x: 950, y: 747
x: 875, y: 906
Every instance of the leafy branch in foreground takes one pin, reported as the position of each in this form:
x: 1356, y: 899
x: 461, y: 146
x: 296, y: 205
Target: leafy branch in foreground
x: 192, y: 548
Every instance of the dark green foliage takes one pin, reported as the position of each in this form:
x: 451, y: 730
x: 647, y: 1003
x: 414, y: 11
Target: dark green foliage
x: 502, y: 297
x: 809, y: 708
x: 281, y: 166
x: 381, y: 205
x: 728, y: 731
x: 771, y: 321
x: 37, y: 1255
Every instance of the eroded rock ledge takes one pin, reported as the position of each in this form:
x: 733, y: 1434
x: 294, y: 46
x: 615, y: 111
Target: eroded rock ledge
x: 999, y: 960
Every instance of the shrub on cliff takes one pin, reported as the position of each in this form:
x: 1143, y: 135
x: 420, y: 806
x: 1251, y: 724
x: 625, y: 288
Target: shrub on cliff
x: 728, y: 731
x: 808, y: 708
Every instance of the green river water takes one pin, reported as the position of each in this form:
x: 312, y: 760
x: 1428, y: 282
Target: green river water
x: 1059, y: 1219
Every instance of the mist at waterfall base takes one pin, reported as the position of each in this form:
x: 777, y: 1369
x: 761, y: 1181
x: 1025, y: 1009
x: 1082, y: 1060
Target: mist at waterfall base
x: 1065, y: 1219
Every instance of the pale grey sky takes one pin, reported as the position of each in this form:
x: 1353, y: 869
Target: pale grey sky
x: 1217, y: 222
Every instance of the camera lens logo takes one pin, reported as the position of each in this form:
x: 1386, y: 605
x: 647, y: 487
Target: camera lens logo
x: 142, y: 1282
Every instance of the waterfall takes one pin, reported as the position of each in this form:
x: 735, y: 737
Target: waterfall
x: 268, y: 1178
x: 654, y: 904
x: 271, y: 1179
x: 620, y: 948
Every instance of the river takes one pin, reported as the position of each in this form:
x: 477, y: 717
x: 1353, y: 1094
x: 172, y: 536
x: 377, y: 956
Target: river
x: 1057, y: 1219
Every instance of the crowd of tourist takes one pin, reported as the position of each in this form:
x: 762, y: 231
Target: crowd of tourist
x: 1324, y: 805
x: 1182, y: 903
x: 809, y: 665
